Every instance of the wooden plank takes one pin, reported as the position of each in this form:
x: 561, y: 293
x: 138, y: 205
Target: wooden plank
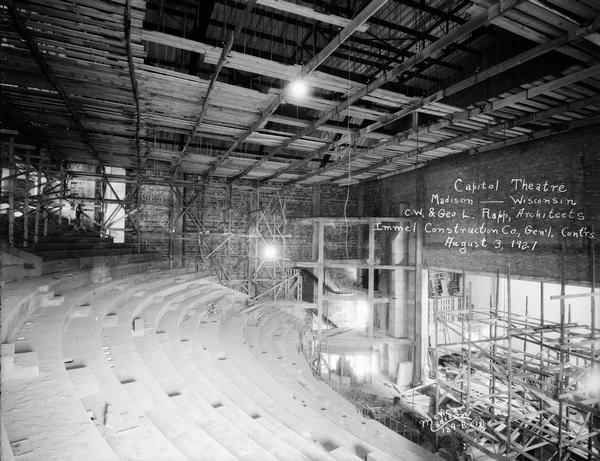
x: 575, y: 295
x: 310, y: 13
x: 387, y: 76
x: 500, y: 128
x: 362, y: 17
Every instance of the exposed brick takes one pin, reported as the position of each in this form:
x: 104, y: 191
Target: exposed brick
x: 572, y: 159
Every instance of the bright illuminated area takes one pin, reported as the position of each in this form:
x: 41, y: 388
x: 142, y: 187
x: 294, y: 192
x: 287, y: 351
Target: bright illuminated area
x: 590, y: 384
x: 300, y: 230
x: 298, y: 89
x: 270, y: 252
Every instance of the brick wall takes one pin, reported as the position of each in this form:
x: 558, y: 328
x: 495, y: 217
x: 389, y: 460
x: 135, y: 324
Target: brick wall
x: 155, y: 201
x: 227, y: 210
x: 371, y: 198
x: 566, y: 170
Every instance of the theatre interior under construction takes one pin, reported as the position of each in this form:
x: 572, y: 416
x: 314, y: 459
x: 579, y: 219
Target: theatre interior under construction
x: 300, y: 230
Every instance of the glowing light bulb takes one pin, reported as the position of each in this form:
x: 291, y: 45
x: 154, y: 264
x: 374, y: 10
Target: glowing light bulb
x: 270, y: 252
x: 297, y: 89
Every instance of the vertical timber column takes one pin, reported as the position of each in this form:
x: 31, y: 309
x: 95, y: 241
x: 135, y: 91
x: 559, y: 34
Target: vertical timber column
x: 421, y: 307
x: 11, y: 192
x: 44, y: 160
x: 361, y: 230
x: 178, y: 225
x: 371, y: 288
x: 253, y: 207
x: 316, y: 211
x: 398, y: 324
x: 26, y: 201
x: 171, y: 223
x: 101, y: 215
x: 38, y: 208
x: 592, y: 424
x: 138, y: 207
x: 320, y: 276
x: 62, y: 190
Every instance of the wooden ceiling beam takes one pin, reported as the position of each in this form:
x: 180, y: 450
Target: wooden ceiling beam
x: 422, y: 6
x: 497, y: 10
x: 573, y: 34
x: 134, y: 86
x: 49, y: 74
x: 309, y: 67
x: 543, y: 133
x: 304, y: 11
x: 461, y: 116
x: 288, y: 42
x: 411, y: 45
x: 533, y: 117
x: 224, y: 53
x: 286, y: 19
x: 419, y: 34
x: 204, y: 108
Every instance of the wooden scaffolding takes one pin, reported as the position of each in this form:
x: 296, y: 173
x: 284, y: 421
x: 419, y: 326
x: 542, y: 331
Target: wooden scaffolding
x: 531, y: 384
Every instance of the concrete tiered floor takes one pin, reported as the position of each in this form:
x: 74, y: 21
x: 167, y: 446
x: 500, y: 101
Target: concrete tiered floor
x: 139, y: 362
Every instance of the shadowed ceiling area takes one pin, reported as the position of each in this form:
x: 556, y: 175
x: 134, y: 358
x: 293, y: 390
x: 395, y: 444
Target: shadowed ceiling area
x: 203, y: 86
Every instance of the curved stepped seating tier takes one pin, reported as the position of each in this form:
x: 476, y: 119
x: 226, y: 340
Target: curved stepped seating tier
x: 182, y: 394
x: 134, y: 365
x: 125, y: 426
x: 174, y: 347
x: 40, y: 408
x: 273, y: 333
x: 240, y: 393
x: 349, y: 432
x: 191, y: 402
x: 135, y: 361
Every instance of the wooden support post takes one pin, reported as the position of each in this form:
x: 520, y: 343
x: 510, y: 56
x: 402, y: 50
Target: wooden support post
x: 561, y: 353
x: 102, y: 220
x: 469, y: 353
x: 138, y: 217
x: 592, y: 426
x: 463, y: 290
x: 44, y: 209
x: 526, y: 317
x: 171, y: 224
x: 494, y: 336
x: 436, y: 371
x: 62, y: 193
x: 320, y: 277
x: 509, y: 333
x: 229, y: 216
x: 371, y: 288
x: 11, y: 192
x: 316, y: 211
x: 253, y: 207
x: 38, y: 208
x: 541, y: 420
x: 420, y: 328
x: 26, y: 200
x: 176, y: 219
x: 45, y: 230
